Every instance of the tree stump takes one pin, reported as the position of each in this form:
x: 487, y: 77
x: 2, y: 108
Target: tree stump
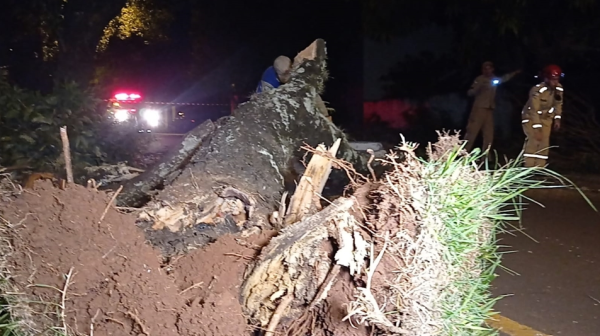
x: 297, y: 262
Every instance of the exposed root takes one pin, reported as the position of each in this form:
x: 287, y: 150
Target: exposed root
x: 366, y: 306
x: 370, y: 151
x: 285, y: 302
x: 301, y: 326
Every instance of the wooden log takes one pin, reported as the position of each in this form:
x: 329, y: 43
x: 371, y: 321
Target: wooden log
x: 236, y: 177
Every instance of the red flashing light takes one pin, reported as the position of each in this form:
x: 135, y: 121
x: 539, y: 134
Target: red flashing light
x: 126, y: 96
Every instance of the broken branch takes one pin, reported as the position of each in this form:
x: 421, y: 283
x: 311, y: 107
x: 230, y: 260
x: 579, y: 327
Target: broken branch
x: 109, y: 203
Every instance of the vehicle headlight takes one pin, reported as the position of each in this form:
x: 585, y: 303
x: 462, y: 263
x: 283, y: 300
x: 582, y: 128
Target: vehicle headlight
x: 121, y: 115
x: 152, y: 117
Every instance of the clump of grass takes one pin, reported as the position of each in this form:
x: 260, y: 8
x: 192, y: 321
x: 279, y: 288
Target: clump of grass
x: 18, y: 313
x: 437, y: 220
x: 7, y: 324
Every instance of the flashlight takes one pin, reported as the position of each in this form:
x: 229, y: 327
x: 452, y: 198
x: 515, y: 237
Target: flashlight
x: 496, y: 81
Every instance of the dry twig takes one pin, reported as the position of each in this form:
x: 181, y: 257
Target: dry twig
x: 109, y: 204
x: 240, y: 256
x: 196, y: 285
x: 115, y: 320
x: 64, y: 299
x: 93, y: 321
x: 137, y: 320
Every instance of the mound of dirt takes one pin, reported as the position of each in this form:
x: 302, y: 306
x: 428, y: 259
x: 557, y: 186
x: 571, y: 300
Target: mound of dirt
x: 70, y: 269
x: 117, y: 280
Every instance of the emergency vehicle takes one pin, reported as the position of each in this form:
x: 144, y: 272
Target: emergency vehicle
x: 128, y: 108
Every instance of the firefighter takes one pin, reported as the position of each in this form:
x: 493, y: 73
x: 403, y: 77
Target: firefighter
x: 541, y: 114
x: 481, y: 118
x: 275, y: 75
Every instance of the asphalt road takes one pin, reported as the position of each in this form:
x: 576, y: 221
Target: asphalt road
x: 557, y: 291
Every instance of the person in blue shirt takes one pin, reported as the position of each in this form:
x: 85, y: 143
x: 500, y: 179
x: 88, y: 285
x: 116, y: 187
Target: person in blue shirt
x: 275, y: 75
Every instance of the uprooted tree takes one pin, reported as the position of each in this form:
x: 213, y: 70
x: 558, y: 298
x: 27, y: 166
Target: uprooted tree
x: 417, y: 241
x: 231, y: 174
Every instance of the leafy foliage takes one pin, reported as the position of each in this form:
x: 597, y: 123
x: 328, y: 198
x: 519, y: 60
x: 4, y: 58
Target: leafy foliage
x: 137, y: 18
x: 30, y: 122
x: 65, y: 35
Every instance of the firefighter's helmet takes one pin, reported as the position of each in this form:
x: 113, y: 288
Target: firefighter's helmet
x: 552, y: 71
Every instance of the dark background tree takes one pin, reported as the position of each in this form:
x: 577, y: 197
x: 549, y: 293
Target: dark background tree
x: 185, y: 51
x: 526, y: 34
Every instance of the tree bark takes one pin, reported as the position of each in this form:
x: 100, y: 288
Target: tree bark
x: 139, y: 190
x: 236, y: 178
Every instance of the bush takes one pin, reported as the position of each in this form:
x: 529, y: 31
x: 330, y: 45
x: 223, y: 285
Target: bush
x: 30, y: 122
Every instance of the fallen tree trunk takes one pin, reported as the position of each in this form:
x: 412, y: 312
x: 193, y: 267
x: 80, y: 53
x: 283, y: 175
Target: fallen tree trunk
x: 140, y: 189
x: 237, y: 176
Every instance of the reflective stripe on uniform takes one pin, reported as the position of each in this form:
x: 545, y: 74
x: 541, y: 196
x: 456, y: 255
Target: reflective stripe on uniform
x: 557, y: 117
x: 536, y: 125
x: 539, y: 112
x: 551, y: 110
x: 559, y: 88
x: 536, y: 156
x: 543, y: 89
x: 524, y: 121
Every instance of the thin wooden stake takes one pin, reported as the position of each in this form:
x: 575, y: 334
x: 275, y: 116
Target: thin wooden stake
x: 67, y: 153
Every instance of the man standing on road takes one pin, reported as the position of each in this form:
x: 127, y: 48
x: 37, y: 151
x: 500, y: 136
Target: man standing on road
x: 482, y: 113
x: 275, y: 75
x: 542, y: 112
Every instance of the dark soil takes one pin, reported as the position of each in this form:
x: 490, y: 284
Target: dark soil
x: 120, y: 283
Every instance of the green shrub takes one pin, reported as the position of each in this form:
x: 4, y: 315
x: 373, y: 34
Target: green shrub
x: 30, y: 123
